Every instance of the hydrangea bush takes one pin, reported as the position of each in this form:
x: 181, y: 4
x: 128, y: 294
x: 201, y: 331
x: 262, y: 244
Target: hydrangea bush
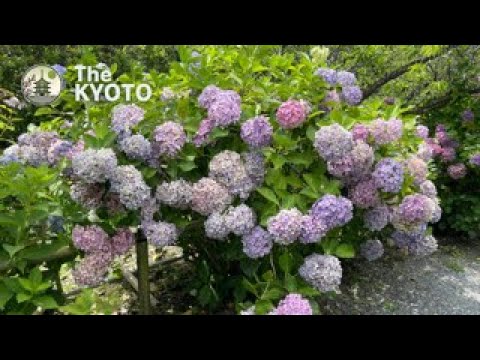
x: 265, y: 171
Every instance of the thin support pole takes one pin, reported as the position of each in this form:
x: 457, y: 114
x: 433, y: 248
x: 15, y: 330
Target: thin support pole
x: 143, y: 281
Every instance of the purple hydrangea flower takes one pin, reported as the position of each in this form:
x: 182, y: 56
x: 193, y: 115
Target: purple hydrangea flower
x: 61, y: 70
x: 225, y: 109
x: 128, y: 183
x: 240, y: 220
x: 422, y: 131
x: 468, y: 115
x: 329, y: 75
x: 286, y: 226
x: 417, y: 168
x: 215, y: 227
x: 91, y: 271
x: 124, y: 117
x: 136, y: 147
x: 362, y: 159
x: 206, y: 127
x: 372, y: 249
x: 87, y: 195
x: 388, y: 175
x: 414, y: 209
x: 177, y: 193
x: 293, y: 304
x: 352, y: 95
x: 291, y: 114
x: 428, y: 188
x: 423, y: 246
x: 208, y: 96
x: 94, y: 165
x: 360, y: 132
x: 257, y: 243
x: 169, y: 139
x: 332, y: 210
x: 160, y: 234
x: 90, y: 239
x: 254, y: 162
x: 122, y: 241
x: 364, y: 194
x: 448, y: 154
x: 475, y: 159
x: 209, y: 196
x: 228, y: 169
x: 425, y: 152
x: 332, y: 97
x: 333, y: 142
x: 313, y: 230
x: 58, y: 150
x: 346, y: 78
x: 257, y: 132
x: 342, y: 167
x: 385, y: 132
x: 457, y: 171
x: 377, y: 218
x: 323, y: 272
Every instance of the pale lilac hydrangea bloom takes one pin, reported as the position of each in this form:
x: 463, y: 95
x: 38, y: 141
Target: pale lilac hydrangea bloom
x: 136, y: 147
x: 364, y: 194
x: 457, y: 171
x: 342, y: 167
x: 377, y: 218
x: 417, y: 168
x: 414, y: 209
x: 293, y: 304
x: 87, y: 195
x: 169, y: 139
x: 385, y: 132
x: 333, y: 142
x: 94, y: 165
x: 323, y: 272
x: 209, y: 196
x: 240, y: 220
x: 176, y: 193
x: 90, y: 239
x: 128, y: 182
x: 205, y: 128
x: 475, y: 159
x: 428, y: 188
x: 372, y: 249
x: 91, y: 271
x: 388, y: 175
x: 122, y: 241
x: 257, y: 243
x: 215, y: 227
x: 352, y: 95
x: 257, y: 132
x: 346, y: 78
x: 286, y: 226
x: 422, y: 131
x: 329, y: 75
x: 208, y: 96
x: 360, y: 132
x: 423, y: 246
x: 225, y: 109
x: 255, y: 166
x: 124, y: 117
x: 468, y: 115
x: 332, y: 210
x: 313, y: 230
x: 160, y: 234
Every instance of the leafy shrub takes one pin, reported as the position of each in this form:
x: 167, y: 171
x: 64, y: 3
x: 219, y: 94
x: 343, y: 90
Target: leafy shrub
x: 260, y: 168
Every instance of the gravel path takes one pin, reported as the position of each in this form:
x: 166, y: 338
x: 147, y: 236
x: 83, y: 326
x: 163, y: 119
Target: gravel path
x: 447, y: 282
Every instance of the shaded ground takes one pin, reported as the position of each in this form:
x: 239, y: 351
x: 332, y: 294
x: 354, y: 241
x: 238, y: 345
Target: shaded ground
x: 447, y: 282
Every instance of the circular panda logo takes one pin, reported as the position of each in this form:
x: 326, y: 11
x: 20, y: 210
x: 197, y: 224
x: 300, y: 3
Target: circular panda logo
x: 42, y: 85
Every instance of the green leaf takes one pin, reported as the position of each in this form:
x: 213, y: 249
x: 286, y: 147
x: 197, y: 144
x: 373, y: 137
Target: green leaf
x: 268, y: 194
x: 274, y: 294
x: 26, y: 284
x: 12, y: 249
x: 45, y: 302
x: 22, y: 297
x: 204, y: 295
x: 44, y: 111
x: 187, y: 166
x: 249, y: 286
x: 308, y: 291
x: 346, y: 251
x: 35, y: 277
x: 286, y: 262
x: 5, y: 295
x: 263, y: 307
x: 290, y: 283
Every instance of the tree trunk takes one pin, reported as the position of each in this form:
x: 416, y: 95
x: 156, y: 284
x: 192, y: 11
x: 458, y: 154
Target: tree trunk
x: 142, y: 270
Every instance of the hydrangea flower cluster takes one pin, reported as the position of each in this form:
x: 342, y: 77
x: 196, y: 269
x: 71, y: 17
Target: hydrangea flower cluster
x: 333, y: 142
x: 468, y: 115
x: 100, y: 250
x: 128, y: 182
x: 422, y: 131
x: 323, y: 272
x: 417, y: 168
x: 365, y: 194
x: 475, y: 159
x: 94, y: 165
x: 257, y: 243
x: 360, y: 132
x: 160, y: 234
x: 457, y: 171
x: 333, y: 211
x: 428, y: 188
x: 377, y: 218
x: 329, y: 75
x: 352, y: 95
x: 313, y: 230
x: 168, y: 139
x: 255, y: 166
x: 385, y: 132
x: 417, y: 243
x: 209, y: 196
x: 87, y: 195
x: 257, y: 132
x: 292, y: 114
x: 136, y: 147
x: 293, y: 304
x: 388, y: 175
x: 228, y: 169
x: 177, y: 193
x: 286, y: 226
x: 204, y: 130
x: 239, y: 220
x: 225, y: 109
x: 372, y: 249
x: 124, y: 117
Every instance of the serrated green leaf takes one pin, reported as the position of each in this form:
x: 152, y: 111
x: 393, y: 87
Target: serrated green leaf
x: 346, y: 251
x: 268, y: 194
x: 45, y: 302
